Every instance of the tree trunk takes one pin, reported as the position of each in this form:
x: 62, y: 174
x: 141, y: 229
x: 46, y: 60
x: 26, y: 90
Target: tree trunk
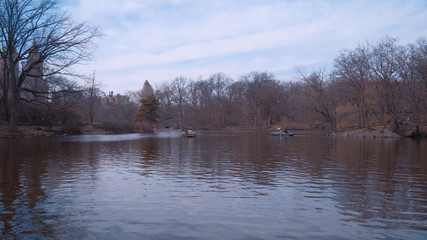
x: 366, y: 117
x: 181, y: 116
x: 13, y: 123
x: 6, y: 111
x: 258, y: 116
x: 16, y: 90
x: 5, y: 95
x: 91, y: 114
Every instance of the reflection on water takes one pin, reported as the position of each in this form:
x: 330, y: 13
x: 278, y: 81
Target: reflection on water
x: 219, y: 185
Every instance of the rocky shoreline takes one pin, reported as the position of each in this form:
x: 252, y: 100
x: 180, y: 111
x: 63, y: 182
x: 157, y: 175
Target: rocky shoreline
x: 368, y: 133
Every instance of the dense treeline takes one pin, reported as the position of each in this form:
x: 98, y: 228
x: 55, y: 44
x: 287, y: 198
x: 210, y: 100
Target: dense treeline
x: 381, y: 84
x: 373, y: 85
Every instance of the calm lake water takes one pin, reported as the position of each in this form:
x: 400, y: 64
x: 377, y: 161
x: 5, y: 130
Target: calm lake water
x: 218, y: 185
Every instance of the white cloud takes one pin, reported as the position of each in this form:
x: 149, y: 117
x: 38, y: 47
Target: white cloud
x: 163, y: 39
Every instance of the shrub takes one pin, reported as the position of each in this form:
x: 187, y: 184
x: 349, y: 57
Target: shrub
x: 71, y: 127
x: 147, y: 127
x: 116, y: 126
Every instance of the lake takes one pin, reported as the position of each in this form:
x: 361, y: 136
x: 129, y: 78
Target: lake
x: 218, y: 185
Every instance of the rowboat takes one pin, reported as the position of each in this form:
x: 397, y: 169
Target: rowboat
x: 289, y: 134
x: 189, y: 134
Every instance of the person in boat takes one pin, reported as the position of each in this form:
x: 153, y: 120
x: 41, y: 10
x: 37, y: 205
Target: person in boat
x: 286, y: 131
x: 189, y: 132
x: 280, y: 130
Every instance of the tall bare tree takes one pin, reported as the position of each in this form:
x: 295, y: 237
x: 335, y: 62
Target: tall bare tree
x: 273, y: 101
x: 93, y: 97
x: 352, y: 72
x: 4, y: 87
x: 219, y: 82
x: 414, y: 77
x: 179, y: 95
x: 26, y: 25
x: 255, y: 82
x: 164, y: 95
x: 319, y: 96
x: 385, y: 63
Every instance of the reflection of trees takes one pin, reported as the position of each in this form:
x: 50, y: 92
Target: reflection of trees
x: 259, y: 160
x: 149, y: 149
x: 9, y: 186
x: 372, y: 181
x: 21, y: 186
x: 222, y: 156
x: 375, y: 181
x: 27, y: 168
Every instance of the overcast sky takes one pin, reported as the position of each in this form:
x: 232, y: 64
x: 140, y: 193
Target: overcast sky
x: 158, y: 40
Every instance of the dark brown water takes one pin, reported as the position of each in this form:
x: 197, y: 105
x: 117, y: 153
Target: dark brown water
x: 219, y: 185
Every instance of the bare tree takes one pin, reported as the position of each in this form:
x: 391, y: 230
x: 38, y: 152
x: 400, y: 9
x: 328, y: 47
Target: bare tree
x: 164, y: 95
x: 273, y: 101
x: 194, y: 111
x: 5, y: 86
x: 317, y: 93
x: 93, y: 97
x: 351, y: 70
x: 206, y: 99
x: 255, y: 82
x: 384, y: 63
x: 414, y: 76
x: 219, y: 82
x: 179, y: 95
x: 65, y: 103
x: 26, y: 25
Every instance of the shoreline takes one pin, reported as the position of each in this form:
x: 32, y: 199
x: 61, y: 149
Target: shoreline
x: 43, y: 131
x: 368, y: 133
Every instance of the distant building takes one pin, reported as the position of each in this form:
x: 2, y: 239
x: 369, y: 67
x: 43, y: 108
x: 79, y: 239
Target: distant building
x: 147, y: 90
x: 111, y: 100
x: 65, y: 96
x: 34, y: 81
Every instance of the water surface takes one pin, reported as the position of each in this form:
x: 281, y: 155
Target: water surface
x: 218, y: 185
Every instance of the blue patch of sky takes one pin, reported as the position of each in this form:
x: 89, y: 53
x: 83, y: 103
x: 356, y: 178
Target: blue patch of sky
x: 72, y: 3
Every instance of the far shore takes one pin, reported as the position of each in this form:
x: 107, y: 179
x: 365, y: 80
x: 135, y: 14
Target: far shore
x: 44, y: 131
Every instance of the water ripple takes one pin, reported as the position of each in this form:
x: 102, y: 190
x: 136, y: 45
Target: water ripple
x: 219, y: 185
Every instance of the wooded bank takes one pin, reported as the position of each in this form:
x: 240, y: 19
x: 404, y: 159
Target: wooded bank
x: 380, y: 85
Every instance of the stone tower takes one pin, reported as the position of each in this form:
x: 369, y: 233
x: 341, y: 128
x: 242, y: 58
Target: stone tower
x: 147, y: 90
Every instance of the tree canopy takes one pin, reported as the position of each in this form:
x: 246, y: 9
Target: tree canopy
x: 37, y: 40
